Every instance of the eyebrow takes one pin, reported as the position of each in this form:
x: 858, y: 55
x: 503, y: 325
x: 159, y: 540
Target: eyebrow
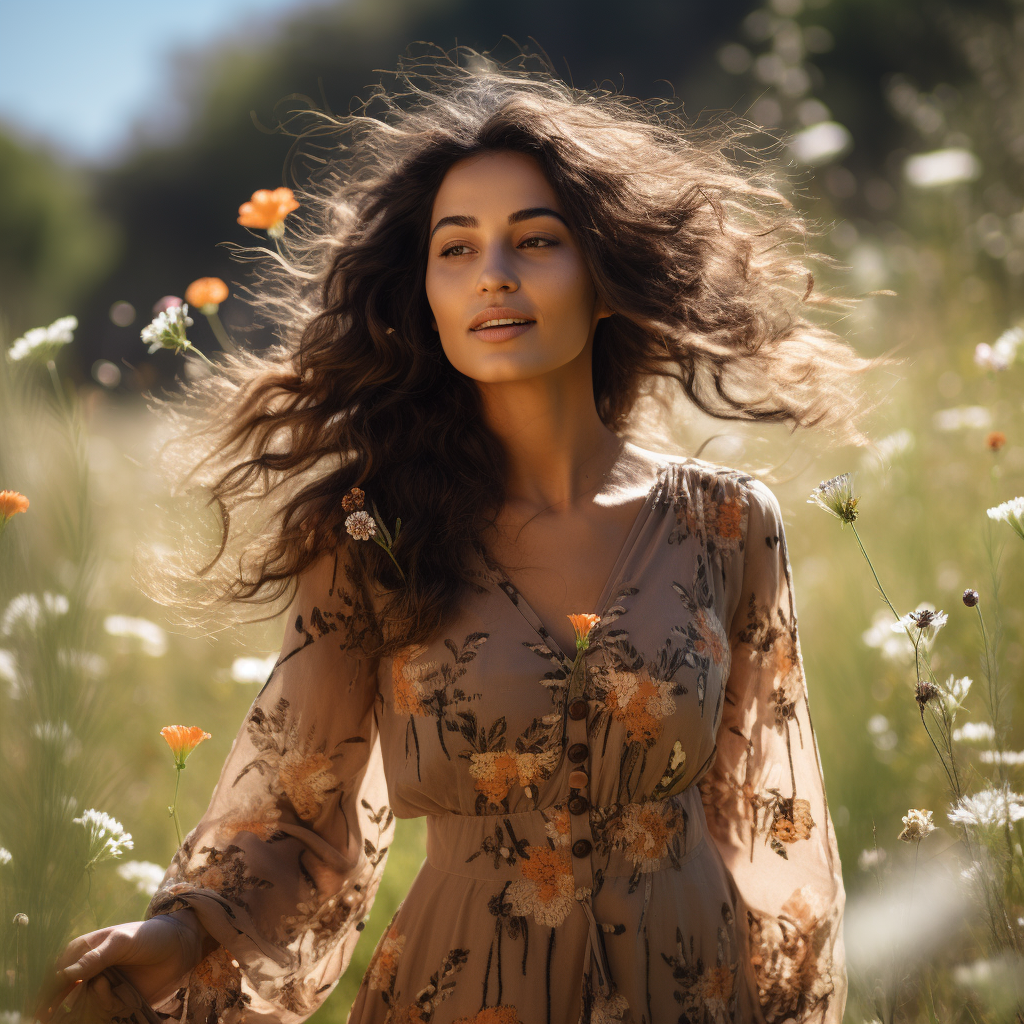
x: 462, y: 221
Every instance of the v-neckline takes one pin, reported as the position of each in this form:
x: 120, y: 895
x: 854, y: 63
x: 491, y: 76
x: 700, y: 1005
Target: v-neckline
x: 537, y: 623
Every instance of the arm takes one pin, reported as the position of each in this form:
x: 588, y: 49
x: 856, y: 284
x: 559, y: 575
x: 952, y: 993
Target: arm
x: 764, y: 796
x: 284, y: 865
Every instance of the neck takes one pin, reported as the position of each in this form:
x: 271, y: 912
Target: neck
x: 558, y: 448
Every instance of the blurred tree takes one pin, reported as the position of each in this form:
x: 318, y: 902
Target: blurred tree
x: 54, y: 245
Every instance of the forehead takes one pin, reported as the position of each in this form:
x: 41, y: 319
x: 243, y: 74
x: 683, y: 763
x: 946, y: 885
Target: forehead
x: 497, y: 183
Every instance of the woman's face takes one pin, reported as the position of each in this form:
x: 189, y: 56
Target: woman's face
x: 501, y: 251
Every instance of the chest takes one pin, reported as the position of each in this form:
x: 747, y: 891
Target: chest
x: 562, y: 563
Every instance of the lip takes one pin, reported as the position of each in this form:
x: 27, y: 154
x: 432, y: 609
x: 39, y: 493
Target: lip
x: 500, y: 313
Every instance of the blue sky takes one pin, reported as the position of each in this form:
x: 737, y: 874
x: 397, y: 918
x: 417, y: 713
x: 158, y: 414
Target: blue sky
x: 76, y: 74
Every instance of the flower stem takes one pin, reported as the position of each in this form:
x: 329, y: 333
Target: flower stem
x: 189, y: 347
x: 878, y: 582
x: 174, y: 803
x: 220, y: 333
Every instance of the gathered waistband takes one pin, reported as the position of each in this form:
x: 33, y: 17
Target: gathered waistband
x: 627, y: 839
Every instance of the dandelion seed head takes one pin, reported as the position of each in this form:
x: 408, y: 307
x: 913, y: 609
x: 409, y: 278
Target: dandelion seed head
x: 836, y: 497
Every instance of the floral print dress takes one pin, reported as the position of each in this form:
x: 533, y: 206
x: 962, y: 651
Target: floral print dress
x: 645, y: 839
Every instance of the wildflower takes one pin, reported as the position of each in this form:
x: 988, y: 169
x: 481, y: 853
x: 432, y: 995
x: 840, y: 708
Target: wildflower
x: 105, y: 836
x: 5, y: 856
x: 253, y: 670
x: 962, y: 417
x: 887, y: 448
x: 167, y: 330
x: 11, y: 503
x: 870, y: 859
x: 353, y: 501
x: 183, y: 739
x: 995, y: 440
x: 143, y: 874
x: 999, y: 807
x: 970, y: 597
x: 974, y: 732
x: 1014, y: 758
x: 924, y: 692
x: 267, y: 210
x: 361, y: 525
x: 880, y: 635
x: 954, y: 692
x: 1002, y: 353
x: 916, y: 825
x: 836, y: 497
x: 206, y: 294
x: 43, y: 342
x: 154, y: 639
x: 921, y: 624
x: 27, y: 611
x: 582, y: 624
x: 1011, y: 512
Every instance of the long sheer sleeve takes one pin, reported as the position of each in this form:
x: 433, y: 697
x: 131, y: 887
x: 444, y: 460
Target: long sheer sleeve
x: 764, y: 796
x: 284, y: 865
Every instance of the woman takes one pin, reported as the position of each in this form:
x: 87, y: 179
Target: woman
x: 578, y: 658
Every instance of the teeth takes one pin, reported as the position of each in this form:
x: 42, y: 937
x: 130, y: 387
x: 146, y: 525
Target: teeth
x: 500, y: 323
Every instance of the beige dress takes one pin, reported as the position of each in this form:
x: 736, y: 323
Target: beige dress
x: 645, y: 839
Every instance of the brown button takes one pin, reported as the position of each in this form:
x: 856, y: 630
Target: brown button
x: 578, y: 709
x: 581, y: 848
x: 578, y: 779
x: 578, y: 805
x: 578, y: 752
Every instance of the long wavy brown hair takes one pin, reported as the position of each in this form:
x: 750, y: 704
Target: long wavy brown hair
x: 700, y: 255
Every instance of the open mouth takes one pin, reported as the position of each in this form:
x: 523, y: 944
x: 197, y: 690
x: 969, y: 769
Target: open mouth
x: 505, y: 322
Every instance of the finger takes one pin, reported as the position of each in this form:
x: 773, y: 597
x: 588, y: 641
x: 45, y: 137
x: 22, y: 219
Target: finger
x: 76, y: 947
x: 90, y: 964
x: 65, y: 997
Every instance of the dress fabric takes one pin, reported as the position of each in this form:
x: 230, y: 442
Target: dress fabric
x: 645, y: 839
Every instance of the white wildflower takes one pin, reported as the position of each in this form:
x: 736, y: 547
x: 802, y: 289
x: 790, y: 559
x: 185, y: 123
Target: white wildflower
x: 8, y: 667
x: 922, y: 623
x: 880, y: 636
x: 999, y: 356
x: 253, y: 670
x: 154, y: 639
x: 999, y: 807
x: 143, y: 874
x: 836, y: 497
x: 1013, y: 758
x: 5, y: 856
x: 361, y: 525
x: 27, y: 611
x: 105, y: 836
x: 43, y: 342
x: 916, y: 826
x: 888, y: 448
x: 86, y: 662
x: 963, y: 417
x: 868, y: 860
x: 974, y: 732
x: 1011, y: 512
x: 167, y: 329
x: 954, y: 692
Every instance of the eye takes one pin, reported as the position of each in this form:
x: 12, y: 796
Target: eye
x: 536, y: 242
x: 458, y: 249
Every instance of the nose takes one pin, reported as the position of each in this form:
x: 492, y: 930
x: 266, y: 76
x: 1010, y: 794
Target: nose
x: 496, y: 273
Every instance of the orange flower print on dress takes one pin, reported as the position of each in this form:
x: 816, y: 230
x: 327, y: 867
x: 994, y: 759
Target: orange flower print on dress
x: 407, y: 681
x: 251, y: 816
x: 306, y: 780
x: 639, y: 703
x: 217, y: 983
x: 492, y: 1015
x: 793, y: 821
x: 546, y: 891
x: 267, y: 210
x: 384, y: 965
x: 183, y: 739
x: 712, y: 641
x: 557, y: 826
x: 497, y: 771
x: 644, y: 832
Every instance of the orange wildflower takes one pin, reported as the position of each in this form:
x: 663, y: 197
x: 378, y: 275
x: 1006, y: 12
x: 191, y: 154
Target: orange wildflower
x: 11, y: 503
x: 994, y: 441
x: 183, y: 739
x: 583, y: 624
x: 206, y: 294
x: 267, y: 210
